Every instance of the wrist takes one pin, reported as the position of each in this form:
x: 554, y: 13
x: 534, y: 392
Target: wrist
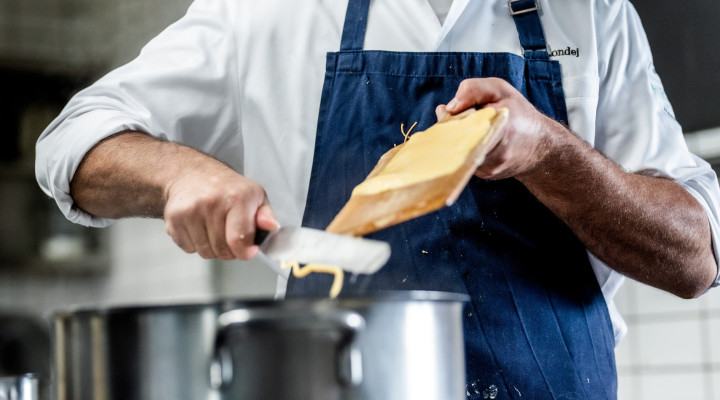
x: 551, y: 153
x: 186, y: 167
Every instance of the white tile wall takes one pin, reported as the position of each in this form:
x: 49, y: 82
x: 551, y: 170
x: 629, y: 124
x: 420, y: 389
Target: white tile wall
x: 667, y: 386
x: 43, y: 294
x: 625, y: 300
x: 654, y: 301
x: 246, y: 279
x: 669, y: 343
x: 711, y: 300
x: 672, y: 349
x: 147, y: 266
x: 628, y: 386
x: 626, y: 351
x: 714, y: 338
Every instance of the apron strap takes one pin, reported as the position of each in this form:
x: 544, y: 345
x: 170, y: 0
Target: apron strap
x: 529, y: 27
x: 353, y: 36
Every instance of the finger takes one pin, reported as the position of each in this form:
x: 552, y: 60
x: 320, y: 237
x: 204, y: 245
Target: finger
x: 198, y: 234
x: 180, y: 236
x: 216, y: 235
x: 265, y: 217
x: 440, y: 112
x: 240, y: 232
x: 477, y: 91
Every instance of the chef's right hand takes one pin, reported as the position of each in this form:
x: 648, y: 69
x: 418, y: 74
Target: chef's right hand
x: 214, y: 211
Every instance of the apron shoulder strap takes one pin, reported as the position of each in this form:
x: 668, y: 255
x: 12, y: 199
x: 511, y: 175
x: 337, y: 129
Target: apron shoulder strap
x: 527, y: 21
x: 353, y: 35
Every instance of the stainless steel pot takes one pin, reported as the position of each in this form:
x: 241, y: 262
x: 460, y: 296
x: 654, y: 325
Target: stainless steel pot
x: 400, y: 345
x: 21, y: 387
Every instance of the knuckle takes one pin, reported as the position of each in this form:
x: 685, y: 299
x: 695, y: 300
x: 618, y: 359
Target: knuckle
x: 196, y: 204
x: 177, y: 213
x: 172, y: 216
x: 200, y: 202
x: 467, y: 85
x: 178, y: 239
x: 257, y: 192
x: 498, y: 81
x: 221, y: 250
x: 170, y: 229
x: 208, y: 201
x: 233, y: 194
x: 236, y: 239
x: 241, y: 246
x: 247, y: 193
x: 186, y: 248
x: 206, y: 253
x: 235, y: 242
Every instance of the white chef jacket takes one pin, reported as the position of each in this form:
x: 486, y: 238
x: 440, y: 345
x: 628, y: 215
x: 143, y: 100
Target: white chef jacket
x: 242, y: 80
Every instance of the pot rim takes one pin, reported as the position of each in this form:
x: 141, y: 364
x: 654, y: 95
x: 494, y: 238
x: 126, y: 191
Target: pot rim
x: 227, y: 303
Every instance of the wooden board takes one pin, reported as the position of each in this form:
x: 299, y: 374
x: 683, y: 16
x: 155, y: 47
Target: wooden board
x: 364, y: 214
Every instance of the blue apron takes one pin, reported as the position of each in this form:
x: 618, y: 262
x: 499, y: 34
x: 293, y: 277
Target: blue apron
x: 537, y: 326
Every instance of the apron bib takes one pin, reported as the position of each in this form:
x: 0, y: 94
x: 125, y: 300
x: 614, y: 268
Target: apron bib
x: 537, y: 326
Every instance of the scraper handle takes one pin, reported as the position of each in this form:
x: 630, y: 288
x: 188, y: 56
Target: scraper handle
x: 260, y: 236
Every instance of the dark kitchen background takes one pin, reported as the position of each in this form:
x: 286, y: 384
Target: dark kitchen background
x: 49, y: 49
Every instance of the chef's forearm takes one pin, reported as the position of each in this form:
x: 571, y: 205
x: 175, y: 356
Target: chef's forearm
x: 126, y: 175
x: 208, y: 207
x: 648, y: 228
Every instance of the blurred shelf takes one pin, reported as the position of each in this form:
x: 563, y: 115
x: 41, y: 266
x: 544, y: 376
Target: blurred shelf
x: 23, y: 170
x: 35, y: 237
x: 94, y: 264
x: 705, y: 143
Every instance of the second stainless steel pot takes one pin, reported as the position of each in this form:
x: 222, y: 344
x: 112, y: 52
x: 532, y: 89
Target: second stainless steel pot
x: 404, y: 345
x: 21, y: 387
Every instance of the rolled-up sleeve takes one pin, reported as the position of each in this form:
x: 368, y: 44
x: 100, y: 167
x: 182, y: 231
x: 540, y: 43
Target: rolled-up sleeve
x: 704, y: 187
x: 182, y: 87
x: 636, y: 125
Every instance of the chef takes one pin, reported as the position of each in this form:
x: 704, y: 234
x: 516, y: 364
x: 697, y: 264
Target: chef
x: 246, y: 115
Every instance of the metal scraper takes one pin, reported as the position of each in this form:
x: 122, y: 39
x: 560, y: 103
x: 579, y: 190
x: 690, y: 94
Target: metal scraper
x: 314, y: 246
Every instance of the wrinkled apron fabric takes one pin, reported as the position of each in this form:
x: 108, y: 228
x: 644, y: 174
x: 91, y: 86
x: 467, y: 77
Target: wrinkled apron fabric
x: 537, y: 326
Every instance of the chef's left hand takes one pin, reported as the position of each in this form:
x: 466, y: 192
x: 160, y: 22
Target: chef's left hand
x: 527, y: 137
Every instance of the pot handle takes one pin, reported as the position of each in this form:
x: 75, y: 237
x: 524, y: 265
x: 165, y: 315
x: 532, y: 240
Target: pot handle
x: 349, y: 359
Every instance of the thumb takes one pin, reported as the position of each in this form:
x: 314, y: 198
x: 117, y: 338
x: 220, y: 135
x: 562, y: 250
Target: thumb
x: 265, y: 217
x: 440, y: 112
